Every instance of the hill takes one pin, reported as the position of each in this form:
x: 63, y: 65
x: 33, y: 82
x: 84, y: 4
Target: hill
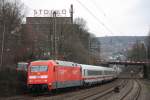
x: 115, y: 45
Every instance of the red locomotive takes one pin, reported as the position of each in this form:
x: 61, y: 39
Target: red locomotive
x: 55, y: 74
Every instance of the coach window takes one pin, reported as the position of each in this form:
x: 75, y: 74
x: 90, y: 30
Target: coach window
x: 104, y: 72
x: 100, y: 72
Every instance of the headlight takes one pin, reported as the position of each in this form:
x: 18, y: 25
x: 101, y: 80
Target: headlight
x: 36, y: 76
x: 32, y: 77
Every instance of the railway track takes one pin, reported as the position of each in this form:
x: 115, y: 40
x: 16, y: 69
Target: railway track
x: 79, y: 94
x: 139, y: 90
x: 134, y: 91
x: 129, y: 90
x: 97, y: 92
x: 105, y: 91
x: 59, y: 95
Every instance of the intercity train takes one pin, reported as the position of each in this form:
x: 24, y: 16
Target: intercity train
x: 56, y: 74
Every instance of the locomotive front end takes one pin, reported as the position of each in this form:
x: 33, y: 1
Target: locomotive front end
x: 38, y: 78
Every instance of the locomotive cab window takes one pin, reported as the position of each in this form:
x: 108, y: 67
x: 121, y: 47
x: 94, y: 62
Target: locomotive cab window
x: 39, y: 68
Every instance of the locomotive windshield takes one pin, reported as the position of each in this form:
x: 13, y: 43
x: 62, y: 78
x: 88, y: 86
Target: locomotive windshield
x: 39, y: 68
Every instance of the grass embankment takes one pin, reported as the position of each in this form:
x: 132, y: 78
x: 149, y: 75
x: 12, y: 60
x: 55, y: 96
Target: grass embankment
x: 9, y: 83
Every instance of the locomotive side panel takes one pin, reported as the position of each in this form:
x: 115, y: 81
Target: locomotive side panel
x: 67, y: 76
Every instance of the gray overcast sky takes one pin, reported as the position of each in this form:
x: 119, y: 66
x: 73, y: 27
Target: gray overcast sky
x: 122, y: 17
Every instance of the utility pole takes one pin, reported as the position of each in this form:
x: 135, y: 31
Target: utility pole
x: 55, y: 35
x: 2, y: 48
x: 3, y: 35
x: 71, y: 13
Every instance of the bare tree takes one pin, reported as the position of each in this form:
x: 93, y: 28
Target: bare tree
x: 81, y: 23
x: 11, y: 17
x: 77, y: 45
x: 138, y: 52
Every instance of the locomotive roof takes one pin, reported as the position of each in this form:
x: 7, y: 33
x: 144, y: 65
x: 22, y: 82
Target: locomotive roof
x: 66, y: 63
x: 59, y: 62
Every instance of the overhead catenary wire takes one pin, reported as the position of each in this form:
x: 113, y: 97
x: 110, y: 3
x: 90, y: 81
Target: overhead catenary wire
x: 96, y: 18
x: 103, y: 12
x: 98, y: 7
